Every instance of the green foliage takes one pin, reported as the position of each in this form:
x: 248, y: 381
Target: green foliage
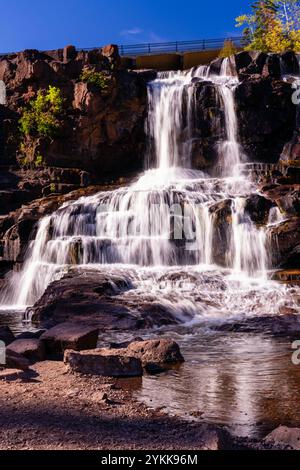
x: 273, y: 26
x: 38, y: 160
x: 40, y: 119
x: 98, y: 79
x: 52, y: 187
x: 228, y: 49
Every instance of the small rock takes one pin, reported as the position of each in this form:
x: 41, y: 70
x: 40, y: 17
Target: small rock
x: 284, y: 436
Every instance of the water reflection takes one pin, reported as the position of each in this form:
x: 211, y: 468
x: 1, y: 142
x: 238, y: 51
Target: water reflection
x: 14, y: 319
x: 246, y: 382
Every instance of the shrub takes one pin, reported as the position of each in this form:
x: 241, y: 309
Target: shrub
x: 98, y: 79
x: 40, y: 120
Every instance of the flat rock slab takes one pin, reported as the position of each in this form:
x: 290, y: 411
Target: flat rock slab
x: 105, y: 362
x: 69, y: 335
x: 285, y: 437
x: 33, y: 349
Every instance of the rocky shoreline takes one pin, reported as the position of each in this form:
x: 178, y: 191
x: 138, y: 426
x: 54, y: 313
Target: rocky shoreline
x: 51, y: 409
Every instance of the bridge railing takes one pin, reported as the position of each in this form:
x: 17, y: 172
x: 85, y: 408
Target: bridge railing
x: 176, y: 46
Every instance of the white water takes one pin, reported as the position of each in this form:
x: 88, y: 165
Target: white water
x: 160, y: 232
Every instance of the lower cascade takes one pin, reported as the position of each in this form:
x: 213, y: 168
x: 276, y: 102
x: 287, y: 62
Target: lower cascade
x: 164, y: 230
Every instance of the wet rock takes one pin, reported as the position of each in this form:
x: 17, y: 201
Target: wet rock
x: 69, y: 336
x: 32, y: 349
x: 285, y: 437
x: 6, y: 335
x: 276, y: 325
x: 290, y: 63
x: 105, y: 362
x: 153, y: 368
x: 222, y: 220
x: 291, y: 151
x: 249, y: 63
x: 266, y: 116
x: 156, y: 351
x: 272, y: 67
x: 258, y: 208
x: 93, y: 298
x: 284, y: 243
x: 207, y: 126
x: 285, y: 196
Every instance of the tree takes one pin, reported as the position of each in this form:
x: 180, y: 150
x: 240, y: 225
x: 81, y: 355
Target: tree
x: 272, y: 26
x: 228, y: 48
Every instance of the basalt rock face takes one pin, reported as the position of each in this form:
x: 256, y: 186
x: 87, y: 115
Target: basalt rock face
x: 100, y: 131
x: 266, y: 116
x: 207, y: 130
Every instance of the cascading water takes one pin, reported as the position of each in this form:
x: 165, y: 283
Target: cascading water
x: 161, y: 231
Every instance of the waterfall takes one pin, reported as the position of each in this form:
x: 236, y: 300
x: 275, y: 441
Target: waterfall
x: 166, y: 218
x: 229, y: 154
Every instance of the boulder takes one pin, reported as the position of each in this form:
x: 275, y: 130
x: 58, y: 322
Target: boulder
x: 284, y: 437
x: 69, y: 335
x: 6, y: 335
x: 105, y: 362
x: 93, y: 298
x: 32, y: 349
x: 155, y: 351
x: 16, y: 361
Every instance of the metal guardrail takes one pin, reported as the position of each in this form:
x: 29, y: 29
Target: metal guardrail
x: 132, y: 50
x: 176, y: 46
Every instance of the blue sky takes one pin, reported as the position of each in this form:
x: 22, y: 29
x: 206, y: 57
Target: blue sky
x: 87, y: 23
